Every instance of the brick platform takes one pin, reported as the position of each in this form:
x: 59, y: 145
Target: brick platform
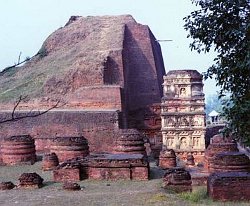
x: 67, y: 172
x: 229, y: 186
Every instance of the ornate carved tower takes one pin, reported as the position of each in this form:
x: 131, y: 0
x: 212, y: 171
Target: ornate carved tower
x: 182, y: 113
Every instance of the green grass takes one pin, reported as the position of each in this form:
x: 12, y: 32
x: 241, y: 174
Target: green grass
x: 195, y: 196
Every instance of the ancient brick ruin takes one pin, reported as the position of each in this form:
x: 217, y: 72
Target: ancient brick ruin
x: 50, y: 161
x: 177, y: 179
x: 30, y: 181
x: 18, y: 150
x: 69, y: 147
x: 108, y: 70
x: 229, y: 186
x: 182, y: 113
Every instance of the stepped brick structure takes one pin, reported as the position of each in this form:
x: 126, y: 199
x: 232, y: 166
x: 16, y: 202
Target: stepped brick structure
x: 218, y: 145
x: 18, y: 150
x: 230, y: 162
x: 107, y: 73
x: 182, y: 113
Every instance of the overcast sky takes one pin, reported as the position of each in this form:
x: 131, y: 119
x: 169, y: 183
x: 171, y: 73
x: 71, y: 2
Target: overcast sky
x: 25, y: 24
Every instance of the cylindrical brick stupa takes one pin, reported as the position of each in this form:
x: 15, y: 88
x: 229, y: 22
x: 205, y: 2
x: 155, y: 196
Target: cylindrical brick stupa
x: 70, y: 147
x: 18, y: 149
x: 50, y: 161
x: 130, y: 141
x: 217, y: 146
x: 230, y: 162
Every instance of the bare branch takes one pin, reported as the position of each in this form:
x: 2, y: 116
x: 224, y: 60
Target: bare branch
x: 30, y: 114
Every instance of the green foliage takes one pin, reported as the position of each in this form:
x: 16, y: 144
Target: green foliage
x: 195, y: 196
x: 225, y: 27
x: 213, y: 102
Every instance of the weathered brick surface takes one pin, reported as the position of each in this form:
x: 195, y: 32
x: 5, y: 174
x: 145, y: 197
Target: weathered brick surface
x: 62, y: 174
x: 94, y: 125
x: 218, y: 147
x: 177, y: 179
x: 167, y: 159
x: 70, y: 147
x: 229, y: 186
x: 127, y: 76
x: 105, y: 167
x: 18, y: 150
x: 109, y: 173
x: 50, y: 161
x: 129, y: 141
x: 30, y: 180
x: 140, y: 173
x: 230, y: 162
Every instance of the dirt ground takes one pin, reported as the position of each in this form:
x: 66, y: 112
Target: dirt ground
x: 98, y: 193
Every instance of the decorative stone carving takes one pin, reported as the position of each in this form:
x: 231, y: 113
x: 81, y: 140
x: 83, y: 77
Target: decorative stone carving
x: 18, y: 150
x: 177, y: 179
x: 30, y: 180
x: 183, y: 112
x: 167, y: 159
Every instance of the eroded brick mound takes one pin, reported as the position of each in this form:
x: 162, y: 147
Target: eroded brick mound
x: 70, y: 147
x: 130, y: 141
x: 71, y: 186
x: 50, y: 161
x: 190, y: 160
x: 177, y: 179
x: 18, y: 149
x: 6, y: 185
x: 167, y: 159
x: 230, y: 162
x: 67, y: 171
x: 30, y: 180
x: 218, y: 147
x: 229, y: 186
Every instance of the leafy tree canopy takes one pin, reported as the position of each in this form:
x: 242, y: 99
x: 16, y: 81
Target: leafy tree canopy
x: 225, y: 27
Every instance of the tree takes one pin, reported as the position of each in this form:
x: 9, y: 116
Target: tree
x: 225, y: 27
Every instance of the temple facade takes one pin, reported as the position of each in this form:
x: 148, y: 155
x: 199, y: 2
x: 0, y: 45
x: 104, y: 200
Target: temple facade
x: 182, y: 113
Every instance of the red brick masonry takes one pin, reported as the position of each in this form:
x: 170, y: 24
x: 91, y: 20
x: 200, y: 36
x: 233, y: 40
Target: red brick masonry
x: 229, y: 186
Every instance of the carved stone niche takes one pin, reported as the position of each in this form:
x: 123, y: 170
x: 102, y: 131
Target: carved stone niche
x: 197, y: 90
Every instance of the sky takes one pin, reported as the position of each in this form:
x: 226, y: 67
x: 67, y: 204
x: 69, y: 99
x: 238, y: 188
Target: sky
x: 25, y: 25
